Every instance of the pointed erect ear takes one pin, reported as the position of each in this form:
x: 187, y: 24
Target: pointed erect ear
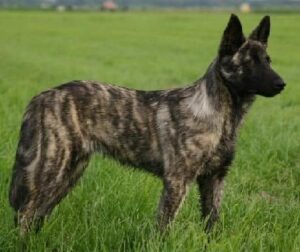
x: 233, y: 37
x: 262, y: 31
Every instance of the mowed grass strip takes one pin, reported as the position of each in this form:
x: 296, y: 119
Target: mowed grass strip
x: 113, y: 208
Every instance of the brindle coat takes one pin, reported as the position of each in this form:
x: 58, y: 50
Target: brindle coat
x: 180, y: 135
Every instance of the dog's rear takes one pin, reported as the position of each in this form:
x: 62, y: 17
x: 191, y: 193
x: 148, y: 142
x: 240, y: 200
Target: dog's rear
x: 48, y: 161
x: 62, y: 127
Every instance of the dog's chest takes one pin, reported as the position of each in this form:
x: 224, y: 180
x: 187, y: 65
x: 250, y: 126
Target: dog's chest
x: 213, y: 149
x: 223, y: 153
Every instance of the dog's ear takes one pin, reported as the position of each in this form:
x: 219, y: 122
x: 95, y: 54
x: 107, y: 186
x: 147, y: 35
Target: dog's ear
x: 233, y: 37
x: 262, y: 31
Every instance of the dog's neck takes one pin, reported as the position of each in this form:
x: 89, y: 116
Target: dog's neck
x: 215, y: 83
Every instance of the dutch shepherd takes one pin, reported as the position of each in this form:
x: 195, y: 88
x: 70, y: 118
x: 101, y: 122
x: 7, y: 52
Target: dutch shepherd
x: 181, y: 135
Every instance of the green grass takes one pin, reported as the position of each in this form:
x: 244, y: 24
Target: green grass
x: 114, y: 209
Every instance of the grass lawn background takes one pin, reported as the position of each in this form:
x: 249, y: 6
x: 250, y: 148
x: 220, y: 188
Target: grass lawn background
x: 114, y: 209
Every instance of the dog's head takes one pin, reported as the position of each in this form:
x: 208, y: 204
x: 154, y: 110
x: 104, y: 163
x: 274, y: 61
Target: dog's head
x: 244, y: 63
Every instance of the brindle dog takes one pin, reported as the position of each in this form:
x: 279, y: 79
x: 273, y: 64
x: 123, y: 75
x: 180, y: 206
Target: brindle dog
x: 181, y: 135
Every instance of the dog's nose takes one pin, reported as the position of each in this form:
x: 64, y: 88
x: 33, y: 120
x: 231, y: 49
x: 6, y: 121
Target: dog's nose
x: 280, y: 84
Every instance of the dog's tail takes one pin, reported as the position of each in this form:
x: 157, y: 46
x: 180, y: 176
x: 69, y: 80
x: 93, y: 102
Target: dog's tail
x: 25, y: 161
x: 18, y: 193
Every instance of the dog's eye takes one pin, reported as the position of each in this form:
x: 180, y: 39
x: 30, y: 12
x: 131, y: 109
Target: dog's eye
x: 268, y: 59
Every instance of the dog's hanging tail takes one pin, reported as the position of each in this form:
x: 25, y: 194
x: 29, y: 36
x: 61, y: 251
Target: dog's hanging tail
x: 26, y: 161
x: 18, y: 192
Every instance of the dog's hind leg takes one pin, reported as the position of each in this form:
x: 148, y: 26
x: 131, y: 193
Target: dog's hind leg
x: 49, y: 188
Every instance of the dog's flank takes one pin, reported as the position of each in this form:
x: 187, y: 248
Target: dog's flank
x: 180, y: 135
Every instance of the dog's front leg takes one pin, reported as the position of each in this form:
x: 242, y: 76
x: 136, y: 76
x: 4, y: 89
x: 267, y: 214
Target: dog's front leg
x: 211, y: 191
x: 175, y: 189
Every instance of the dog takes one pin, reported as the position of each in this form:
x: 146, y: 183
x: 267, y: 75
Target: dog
x: 181, y: 135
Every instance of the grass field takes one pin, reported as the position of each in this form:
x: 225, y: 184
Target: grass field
x: 114, y: 209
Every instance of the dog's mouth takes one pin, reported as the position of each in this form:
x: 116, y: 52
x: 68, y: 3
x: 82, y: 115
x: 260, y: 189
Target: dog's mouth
x: 277, y: 89
x: 279, y: 86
